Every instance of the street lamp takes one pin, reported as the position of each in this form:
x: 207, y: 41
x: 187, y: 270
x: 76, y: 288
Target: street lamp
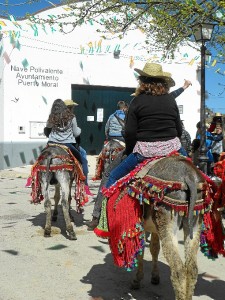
x: 203, y: 33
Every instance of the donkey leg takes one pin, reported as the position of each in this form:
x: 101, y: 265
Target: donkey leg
x: 65, y: 206
x: 56, y: 199
x: 47, y: 206
x: 154, y: 249
x: 69, y: 200
x: 136, y: 282
x: 191, y: 247
x: 167, y: 225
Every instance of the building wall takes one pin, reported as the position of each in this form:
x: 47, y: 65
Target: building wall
x: 42, y: 65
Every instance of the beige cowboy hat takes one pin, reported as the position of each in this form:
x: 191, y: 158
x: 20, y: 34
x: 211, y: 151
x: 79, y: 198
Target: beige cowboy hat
x: 70, y: 102
x: 218, y: 114
x: 155, y: 71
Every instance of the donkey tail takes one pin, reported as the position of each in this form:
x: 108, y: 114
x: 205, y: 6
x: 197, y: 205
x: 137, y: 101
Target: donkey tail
x: 192, y: 185
x: 49, y: 160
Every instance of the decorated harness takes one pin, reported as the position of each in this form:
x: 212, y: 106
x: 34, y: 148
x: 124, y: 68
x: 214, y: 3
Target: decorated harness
x: 69, y: 163
x: 122, y: 213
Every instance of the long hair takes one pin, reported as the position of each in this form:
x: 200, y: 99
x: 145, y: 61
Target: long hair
x: 152, y: 86
x: 60, y: 116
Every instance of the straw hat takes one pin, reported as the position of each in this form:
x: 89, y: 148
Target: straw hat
x: 218, y: 114
x: 69, y: 102
x: 155, y: 71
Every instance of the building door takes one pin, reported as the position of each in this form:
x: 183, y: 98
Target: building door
x: 96, y: 103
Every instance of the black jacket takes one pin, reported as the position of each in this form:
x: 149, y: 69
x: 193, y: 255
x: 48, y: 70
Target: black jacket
x: 150, y: 119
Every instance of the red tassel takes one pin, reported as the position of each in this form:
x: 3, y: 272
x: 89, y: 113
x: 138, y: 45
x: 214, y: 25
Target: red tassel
x: 101, y: 233
x: 125, y: 235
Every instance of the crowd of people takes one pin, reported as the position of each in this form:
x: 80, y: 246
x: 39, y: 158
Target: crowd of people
x: 153, y: 128
x: 214, y: 143
x: 150, y: 127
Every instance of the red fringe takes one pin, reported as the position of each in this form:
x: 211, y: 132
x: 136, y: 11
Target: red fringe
x: 214, y: 233
x: 125, y: 237
x: 70, y: 163
x: 101, y: 233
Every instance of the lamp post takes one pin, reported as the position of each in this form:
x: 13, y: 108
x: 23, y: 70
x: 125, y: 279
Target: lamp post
x: 203, y: 33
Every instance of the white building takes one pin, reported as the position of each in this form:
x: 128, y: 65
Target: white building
x: 39, y: 64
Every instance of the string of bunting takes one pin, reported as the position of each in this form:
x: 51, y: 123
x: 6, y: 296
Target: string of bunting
x: 90, y: 48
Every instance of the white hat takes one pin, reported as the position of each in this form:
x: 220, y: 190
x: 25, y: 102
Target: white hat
x: 70, y: 102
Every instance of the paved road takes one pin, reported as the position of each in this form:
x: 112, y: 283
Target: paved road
x: 37, y: 268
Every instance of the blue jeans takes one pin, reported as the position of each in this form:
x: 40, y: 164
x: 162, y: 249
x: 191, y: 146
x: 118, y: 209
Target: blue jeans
x: 84, y: 163
x: 80, y: 155
x: 127, y: 165
x: 74, y: 150
x: 183, y: 152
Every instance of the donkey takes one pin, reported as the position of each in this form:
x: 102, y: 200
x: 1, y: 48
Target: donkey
x: 163, y: 225
x: 55, y: 166
x: 109, y: 153
x: 163, y: 222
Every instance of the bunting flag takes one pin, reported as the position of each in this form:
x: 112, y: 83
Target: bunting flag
x: 99, y: 47
x: 45, y: 100
x: 92, y: 47
x: 34, y: 27
x: 214, y: 63
x: 6, y: 57
x: 17, y: 45
x: 67, y: 8
x: 131, y: 62
x: 81, y: 66
x: 191, y: 62
x: 2, y: 23
x: 25, y: 63
x: 81, y: 50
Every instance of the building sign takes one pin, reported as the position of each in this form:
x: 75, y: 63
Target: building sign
x: 100, y: 114
x: 37, y: 76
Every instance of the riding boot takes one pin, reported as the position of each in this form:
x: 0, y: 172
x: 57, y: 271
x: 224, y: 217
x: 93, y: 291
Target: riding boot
x: 93, y: 224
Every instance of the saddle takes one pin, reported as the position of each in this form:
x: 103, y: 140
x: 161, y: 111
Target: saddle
x: 67, y: 162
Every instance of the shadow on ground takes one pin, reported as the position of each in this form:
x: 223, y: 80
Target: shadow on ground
x: 39, y: 221
x: 112, y: 283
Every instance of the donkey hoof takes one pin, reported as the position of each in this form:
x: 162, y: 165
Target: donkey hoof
x: 54, y: 218
x: 155, y: 280
x: 72, y: 236
x: 71, y: 218
x: 135, y: 285
x: 47, y: 233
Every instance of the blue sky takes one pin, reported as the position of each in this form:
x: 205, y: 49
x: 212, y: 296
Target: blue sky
x: 19, y: 8
x: 215, y: 83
